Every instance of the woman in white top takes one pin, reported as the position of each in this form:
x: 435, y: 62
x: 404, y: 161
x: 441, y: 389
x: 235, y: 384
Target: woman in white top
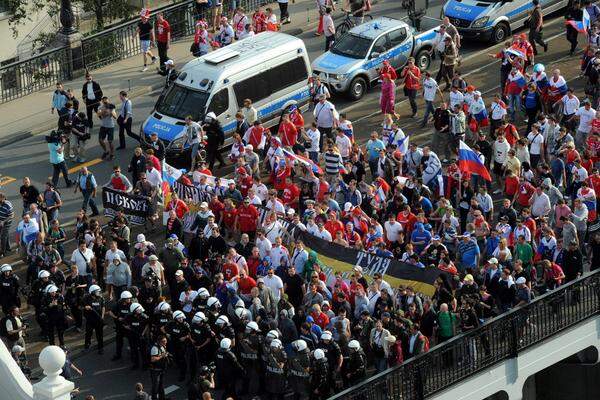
x: 502, y: 252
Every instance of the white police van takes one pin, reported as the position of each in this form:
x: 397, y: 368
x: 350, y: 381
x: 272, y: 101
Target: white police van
x: 271, y: 69
x: 493, y: 20
x: 351, y: 65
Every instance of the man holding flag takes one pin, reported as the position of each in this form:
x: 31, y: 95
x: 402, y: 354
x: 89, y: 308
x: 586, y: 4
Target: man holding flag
x: 514, y: 86
x: 469, y: 162
x: 577, y: 20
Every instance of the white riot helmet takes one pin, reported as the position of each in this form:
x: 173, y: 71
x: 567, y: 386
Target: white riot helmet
x: 43, y: 274
x: 319, y: 354
x: 210, y: 117
x: 213, y: 302
x: 226, y: 343
x: 178, y: 315
x: 240, y: 303
x: 276, y: 343
x: 164, y: 306
x: 272, y: 335
x: 240, y: 312
x: 51, y: 289
x: 5, y: 268
x: 252, y: 326
x: 326, y: 335
x: 93, y: 289
x: 222, y: 320
x: 199, y: 317
x: 136, y: 307
x: 299, y: 345
x: 203, y: 293
x: 126, y: 294
x: 354, y: 345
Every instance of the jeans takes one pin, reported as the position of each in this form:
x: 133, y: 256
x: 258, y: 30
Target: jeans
x: 329, y: 41
x: 57, y: 169
x: 283, y: 9
x: 88, y: 199
x: 514, y: 106
x: 380, y: 364
x: 314, y: 156
x: 536, y: 37
x: 193, y: 155
x: 5, y: 237
x: 162, y: 54
x: 429, y: 109
x: 91, y: 107
x: 411, y: 94
x: 158, y: 384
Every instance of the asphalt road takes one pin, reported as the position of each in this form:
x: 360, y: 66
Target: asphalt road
x: 30, y: 158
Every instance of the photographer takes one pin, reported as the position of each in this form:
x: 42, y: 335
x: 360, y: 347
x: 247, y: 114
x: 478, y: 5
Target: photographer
x: 204, y: 382
x: 159, y: 358
x: 56, y: 142
x: 64, y: 126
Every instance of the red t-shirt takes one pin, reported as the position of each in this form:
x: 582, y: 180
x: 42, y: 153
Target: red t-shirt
x: 247, y: 218
x: 162, y: 31
x: 511, y: 185
x: 217, y: 208
x: 245, y: 184
x: 279, y: 178
x: 230, y: 270
x: 179, y: 206
x: 321, y: 319
x: 409, y: 81
x: 510, y: 133
x: 229, y: 217
x: 290, y: 195
x: 525, y: 190
x: 595, y: 125
x: 155, y: 162
x: 333, y: 227
x: 288, y: 133
x: 118, y: 183
x: 246, y: 284
x: 253, y: 264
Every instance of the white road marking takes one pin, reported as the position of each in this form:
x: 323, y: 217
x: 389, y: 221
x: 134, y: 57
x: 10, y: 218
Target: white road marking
x: 171, y: 389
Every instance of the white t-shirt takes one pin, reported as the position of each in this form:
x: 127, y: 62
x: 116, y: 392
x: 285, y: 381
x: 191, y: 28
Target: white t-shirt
x: 501, y: 151
x: 110, y: 256
x: 275, y: 284
x: 264, y: 247
x: 324, y: 234
x: 328, y: 26
x: 456, y: 98
x: 585, y: 119
x: 82, y: 258
x: 344, y: 145
x: 498, y: 112
x: 536, y: 140
x: 571, y: 104
x: 315, y: 139
x: 392, y: 231
x: 261, y: 191
x: 430, y: 87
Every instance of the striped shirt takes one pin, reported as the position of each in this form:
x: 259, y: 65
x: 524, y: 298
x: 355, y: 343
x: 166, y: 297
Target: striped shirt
x: 332, y: 163
x: 6, y: 211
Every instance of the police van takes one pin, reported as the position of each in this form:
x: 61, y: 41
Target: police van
x: 271, y: 69
x: 494, y: 20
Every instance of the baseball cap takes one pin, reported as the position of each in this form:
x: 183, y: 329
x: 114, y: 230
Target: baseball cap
x: 521, y: 281
x: 468, y: 278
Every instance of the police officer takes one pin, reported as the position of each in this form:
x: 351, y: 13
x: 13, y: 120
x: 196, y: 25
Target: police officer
x: 53, y: 305
x: 250, y: 346
x: 215, y: 139
x: 320, y: 384
x: 179, y: 333
x: 9, y: 289
x: 93, y: 310
x: 204, y: 382
x: 213, y: 310
x: 119, y: 312
x: 300, y: 370
x: 199, y: 303
x: 159, y: 359
x: 162, y: 316
x: 356, y: 370
x: 149, y: 293
x: 223, y: 329
x: 202, y: 339
x: 333, y: 353
x: 228, y: 369
x: 36, y: 295
x: 75, y: 290
x: 266, y: 347
x: 137, y: 325
x: 275, y: 374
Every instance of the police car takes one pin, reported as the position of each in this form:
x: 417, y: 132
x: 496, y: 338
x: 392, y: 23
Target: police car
x: 351, y: 65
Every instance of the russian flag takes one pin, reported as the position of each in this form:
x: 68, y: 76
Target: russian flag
x: 303, y: 160
x: 583, y: 25
x: 402, y: 145
x: 514, y: 52
x: 170, y: 175
x: 468, y: 161
x: 540, y: 79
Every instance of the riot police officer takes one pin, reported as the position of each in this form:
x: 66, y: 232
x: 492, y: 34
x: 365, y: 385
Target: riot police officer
x: 179, y: 335
x: 9, y: 289
x: 199, y: 303
x: 228, y: 369
x: 275, y: 374
x: 149, y: 294
x: 162, y: 316
x: 333, y: 353
x: 223, y: 329
x: 202, y: 338
x: 75, y: 290
x: 320, y: 384
x: 159, y: 358
x: 137, y: 325
x: 53, y: 306
x: 93, y: 310
x: 356, y: 370
x: 36, y: 295
x: 119, y: 312
x: 250, y: 346
x: 213, y: 310
x: 299, y: 368
x: 266, y: 347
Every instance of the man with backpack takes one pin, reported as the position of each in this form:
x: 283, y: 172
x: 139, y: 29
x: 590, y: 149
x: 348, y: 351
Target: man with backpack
x: 87, y: 185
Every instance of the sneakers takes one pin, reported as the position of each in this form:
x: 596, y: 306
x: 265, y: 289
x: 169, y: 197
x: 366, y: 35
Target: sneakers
x: 153, y: 60
x: 145, y: 69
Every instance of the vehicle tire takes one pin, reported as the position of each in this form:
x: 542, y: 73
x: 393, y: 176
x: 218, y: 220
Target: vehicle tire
x: 358, y: 88
x: 423, y: 59
x: 500, y: 33
x: 341, y: 29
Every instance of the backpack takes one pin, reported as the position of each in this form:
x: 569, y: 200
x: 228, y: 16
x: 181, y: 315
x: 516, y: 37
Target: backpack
x: 425, y: 343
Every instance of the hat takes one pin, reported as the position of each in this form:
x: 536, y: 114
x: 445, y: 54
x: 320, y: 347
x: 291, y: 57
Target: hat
x: 493, y: 260
x: 204, y: 205
x: 173, y: 236
x: 260, y: 280
x: 468, y: 278
x: 477, y: 93
x: 169, y: 62
x: 291, y: 211
x: 521, y: 281
x: 436, y: 237
x: 178, y: 272
x: 241, y: 171
x: 347, y: 206
x: 141, y: 238
x: 231, y: 182
x: 152, y: 258
x: 358, y: 268
x: 386, y: 315
x: 249, y: 147
x: 470, y: 88
x: 310, y: 319
x: 467, y: 234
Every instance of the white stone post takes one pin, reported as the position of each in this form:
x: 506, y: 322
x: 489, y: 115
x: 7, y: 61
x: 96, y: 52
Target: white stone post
x: 53, y: 386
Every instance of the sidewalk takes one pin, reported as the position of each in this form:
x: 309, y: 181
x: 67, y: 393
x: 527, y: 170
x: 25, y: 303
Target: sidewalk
x: 30, y: 115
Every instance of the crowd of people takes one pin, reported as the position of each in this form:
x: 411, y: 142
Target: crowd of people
x: 238, y: 297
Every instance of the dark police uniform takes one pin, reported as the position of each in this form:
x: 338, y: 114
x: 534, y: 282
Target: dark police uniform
x: 93, y: 320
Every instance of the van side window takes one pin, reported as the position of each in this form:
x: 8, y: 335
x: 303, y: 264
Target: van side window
x: 220, y: 102
x: 254, y: 88
x: 397, y: 37
x: 288, y: 74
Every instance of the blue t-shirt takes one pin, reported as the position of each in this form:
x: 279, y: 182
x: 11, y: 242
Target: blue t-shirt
x: 423, y: 236
x: 55, y: 156
x: 426, y: 205
x: 469, y: 252
x: 373, y: 148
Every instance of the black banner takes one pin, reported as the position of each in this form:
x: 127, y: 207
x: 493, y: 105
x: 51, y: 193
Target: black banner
x: 134, y: 206
x: 191, y: 194
x: 339, y: 258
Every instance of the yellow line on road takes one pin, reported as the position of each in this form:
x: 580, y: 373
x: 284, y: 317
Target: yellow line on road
x: 80, y: 166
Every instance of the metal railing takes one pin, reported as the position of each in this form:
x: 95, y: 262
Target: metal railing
x: 471, y: 352
x: 116, y: 43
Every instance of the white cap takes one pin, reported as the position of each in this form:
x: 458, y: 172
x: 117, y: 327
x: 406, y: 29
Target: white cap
x: 326, y: 335
x: 204, y: 205
x: 358, y: 268
x: 273, y: 334
x: 212, y: 301
x: 178, y: 315
x: 169, y: 62
x: 126, y: 294
x: 354, y: 345
x: 319, y: 354
x: 136, y: 307
x: 222, y: 320
x: 493, y: 260
x: 141, y: 238
x: 51, y: 289
x: 93, y: 288
x: 178, y: 272
x: 199, y: 317
x: 521, y: 281
x: 5, y: 268
x: 43, y: 274
x: 347, y: 206
x: 252, y: 326
x: 225, y: 343
x: 164, y: 306
x: 299, y: 345
x: 202, y: 292
x: 276, y: 343
x: 153, y: 258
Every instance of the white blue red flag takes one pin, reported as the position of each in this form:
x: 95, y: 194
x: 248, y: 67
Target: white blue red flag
x: 583, y: 25
x: 303, y: 160
x: 514, y: 52
x: 402, y: 145
x: 468, y: 161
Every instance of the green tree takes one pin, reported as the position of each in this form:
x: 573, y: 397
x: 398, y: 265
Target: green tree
x: 106, y: 10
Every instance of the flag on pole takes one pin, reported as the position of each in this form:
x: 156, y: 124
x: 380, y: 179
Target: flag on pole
x: 583, y: 25
x: 468, y: 161
x: 303, y: 160
x: 514, y: 52
x: 402, y: 145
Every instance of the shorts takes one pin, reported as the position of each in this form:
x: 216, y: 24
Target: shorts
x: 217, y: 8
x: 106, y: 134
x: 498, y: 169
x: 145, y: 45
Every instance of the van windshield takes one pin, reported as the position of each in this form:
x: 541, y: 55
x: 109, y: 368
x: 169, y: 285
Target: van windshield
x: 179, y: 102
x: 352, y: 46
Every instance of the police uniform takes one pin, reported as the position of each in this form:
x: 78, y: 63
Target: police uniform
x: 356, y: 368
x: 177, y: 331
x: 148, y: 297
x: 332, y: 353
x: 54, y: 309
x: 93, y: 320
x: 250, y: 348
x: 137, y: 326
x: 159, y: 323
x: 157, y: 372
x: 74, y: 297
x: 203, y: 345
x: 320, y: 386
x: 228, y: 370
x: 299, y: 374
x: 36, y: 294
x: 275, y: 373
x: 9, y: 292
x: 121, y: 311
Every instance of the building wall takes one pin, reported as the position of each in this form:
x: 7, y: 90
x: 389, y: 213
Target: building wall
x: 9, y: 42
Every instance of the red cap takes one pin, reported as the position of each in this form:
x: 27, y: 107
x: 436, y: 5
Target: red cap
x: 241, y: 171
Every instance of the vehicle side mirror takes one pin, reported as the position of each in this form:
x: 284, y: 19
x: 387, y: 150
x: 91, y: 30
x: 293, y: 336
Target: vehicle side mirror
x: 374, y: 55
